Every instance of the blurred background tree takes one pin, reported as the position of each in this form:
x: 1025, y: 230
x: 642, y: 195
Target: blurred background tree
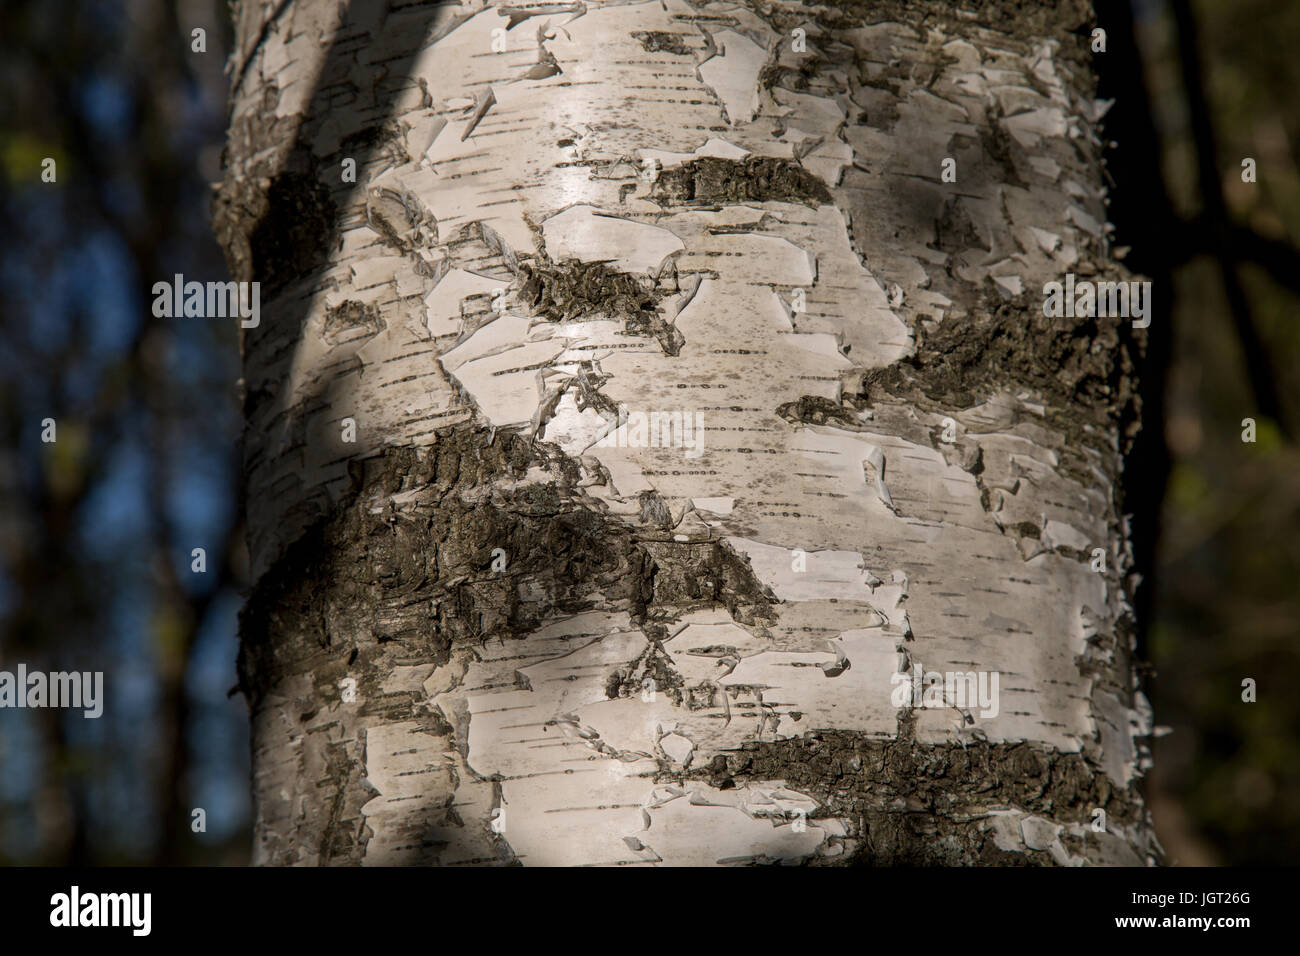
x: 97, y: 529
x: 1226, y: 785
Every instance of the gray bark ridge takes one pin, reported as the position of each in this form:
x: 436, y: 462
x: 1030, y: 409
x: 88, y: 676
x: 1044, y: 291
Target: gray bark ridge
x: 693, y: 413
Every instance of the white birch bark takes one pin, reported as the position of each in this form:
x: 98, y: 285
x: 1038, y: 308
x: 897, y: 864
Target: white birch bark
x: 687, y: 657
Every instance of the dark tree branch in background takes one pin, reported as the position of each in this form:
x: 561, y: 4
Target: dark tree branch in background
x: 130, y: 182
x: 1278, y: 257
x: 1259, y: 366
x: 1189, y: 238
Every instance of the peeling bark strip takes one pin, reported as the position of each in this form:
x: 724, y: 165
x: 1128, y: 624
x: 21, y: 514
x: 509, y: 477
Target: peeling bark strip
x: 489, y: 627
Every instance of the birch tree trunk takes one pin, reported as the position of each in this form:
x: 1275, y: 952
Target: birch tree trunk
x: 652, y: 414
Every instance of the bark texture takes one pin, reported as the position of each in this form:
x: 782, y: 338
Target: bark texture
x: 511, y: 624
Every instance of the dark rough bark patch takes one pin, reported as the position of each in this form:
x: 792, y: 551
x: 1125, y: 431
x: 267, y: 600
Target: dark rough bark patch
x: 415, y: 582
x: 1020, y: 17
x: 419, y: 580
x: 817, y: 410
x: 352, y: 319
x: 654, y: 510
x: 797, y: 78
x: 1027, y: 529
x: 709, y: 180
x: 658, y: 41
x: 921, y: 803
x: 567, y: 290
x: 654, y: 665
x: 1083, y: 366
x: 690, y: 575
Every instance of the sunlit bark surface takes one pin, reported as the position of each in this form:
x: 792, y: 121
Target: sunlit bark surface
x: 690, y: 405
